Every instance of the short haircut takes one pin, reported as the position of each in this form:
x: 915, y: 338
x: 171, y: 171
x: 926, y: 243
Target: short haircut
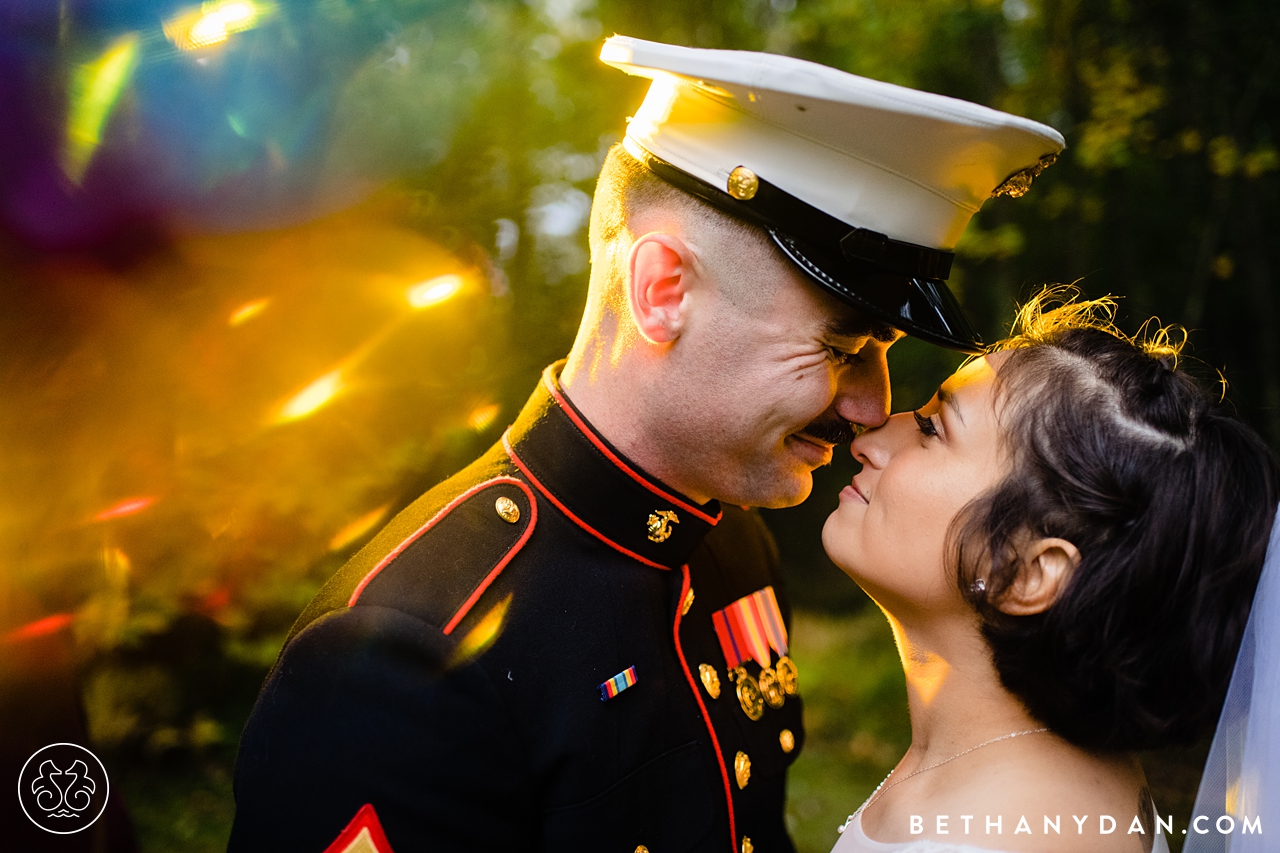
x: 626, y: 188
x: 1168, y: 497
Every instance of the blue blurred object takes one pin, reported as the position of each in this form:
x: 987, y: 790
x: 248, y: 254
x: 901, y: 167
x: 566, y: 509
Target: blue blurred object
x: 222, y: 115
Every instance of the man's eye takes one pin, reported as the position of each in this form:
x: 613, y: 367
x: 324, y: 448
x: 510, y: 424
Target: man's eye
x: 842, y: 357
x: 926, y: 425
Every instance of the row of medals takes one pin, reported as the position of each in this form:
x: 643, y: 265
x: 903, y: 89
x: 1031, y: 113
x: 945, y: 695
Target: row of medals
x: 774, y: 685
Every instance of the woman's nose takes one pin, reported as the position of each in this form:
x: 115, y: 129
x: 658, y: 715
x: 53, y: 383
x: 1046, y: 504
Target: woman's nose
x: 875, y: 447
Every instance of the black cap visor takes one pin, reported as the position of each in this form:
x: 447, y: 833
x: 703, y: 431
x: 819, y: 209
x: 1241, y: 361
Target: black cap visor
x: 922, y: 307
x: 901, y: 283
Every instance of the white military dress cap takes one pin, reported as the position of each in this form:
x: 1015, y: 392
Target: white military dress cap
x: 865, y: 185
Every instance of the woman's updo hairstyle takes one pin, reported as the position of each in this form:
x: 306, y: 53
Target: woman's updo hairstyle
x: 1170, y: 500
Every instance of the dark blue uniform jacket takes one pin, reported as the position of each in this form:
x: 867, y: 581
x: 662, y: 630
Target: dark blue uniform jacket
x: 450, y: 674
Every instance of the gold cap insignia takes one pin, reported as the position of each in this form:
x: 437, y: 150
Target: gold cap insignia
x: 788, y: 675
x: 742, y: 769
x: 710, y: 679
x: 747, y: 846
x: 743, y: 184
x: 507, y: 510
x: 640, y: 848
x: 660, y: 522
x: 1017, y: 184
x: 786, y: 740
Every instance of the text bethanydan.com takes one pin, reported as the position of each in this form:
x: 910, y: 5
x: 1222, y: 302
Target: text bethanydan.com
x: 967, y: 824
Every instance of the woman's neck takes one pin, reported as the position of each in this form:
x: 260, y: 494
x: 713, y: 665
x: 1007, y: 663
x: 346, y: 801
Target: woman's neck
x: 954, y: 693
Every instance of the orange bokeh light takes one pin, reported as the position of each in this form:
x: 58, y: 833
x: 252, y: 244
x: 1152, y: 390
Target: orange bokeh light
x: 128, y: 506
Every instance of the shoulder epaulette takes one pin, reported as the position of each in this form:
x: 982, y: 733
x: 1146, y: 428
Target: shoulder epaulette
x: 436, y: 569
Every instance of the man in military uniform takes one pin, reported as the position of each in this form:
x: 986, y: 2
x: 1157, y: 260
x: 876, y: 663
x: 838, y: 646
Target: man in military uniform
x: 579, y: 642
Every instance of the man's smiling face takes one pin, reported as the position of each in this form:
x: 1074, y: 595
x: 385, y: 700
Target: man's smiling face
x: 795, y: 373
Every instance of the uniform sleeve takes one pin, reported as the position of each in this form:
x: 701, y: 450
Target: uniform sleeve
x: 358, y: 711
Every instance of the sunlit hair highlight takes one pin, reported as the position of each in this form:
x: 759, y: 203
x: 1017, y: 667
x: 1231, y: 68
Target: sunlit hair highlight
x: 1058, y: 308
x: 1169, y: 498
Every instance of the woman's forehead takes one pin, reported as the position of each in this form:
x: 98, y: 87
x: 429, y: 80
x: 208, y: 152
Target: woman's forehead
x: 976, y: 371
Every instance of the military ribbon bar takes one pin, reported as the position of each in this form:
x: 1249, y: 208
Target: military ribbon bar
x: 617, y: 684
x: 749, y: 627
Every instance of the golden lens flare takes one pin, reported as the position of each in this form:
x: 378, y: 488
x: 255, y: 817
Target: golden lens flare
x: 117, y: 566
x: 358, y: 528
x: 128, y: 506
x: 434, y: 291
x: 310, y: 399
x: 482, y: 636
x: 482, y: 417
x: 247, y: 311
x: 213, y: 23
x: 95, y: 89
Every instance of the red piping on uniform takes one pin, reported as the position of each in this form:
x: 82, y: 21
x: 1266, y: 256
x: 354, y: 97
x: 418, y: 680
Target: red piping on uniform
x: 533, y: 515
x: 502, y: 564
x: 706, y: 718
x: 554, y: 387
x: 587, y: 527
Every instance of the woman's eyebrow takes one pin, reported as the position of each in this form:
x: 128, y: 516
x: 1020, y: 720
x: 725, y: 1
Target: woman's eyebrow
x: 946, y: 398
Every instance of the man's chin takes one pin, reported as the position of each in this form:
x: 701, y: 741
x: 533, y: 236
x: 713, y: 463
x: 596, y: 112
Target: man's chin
x: 790, y: 488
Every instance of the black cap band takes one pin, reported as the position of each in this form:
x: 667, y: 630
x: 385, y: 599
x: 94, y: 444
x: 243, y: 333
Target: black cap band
x: 900, y: 283
x: 775, y: 208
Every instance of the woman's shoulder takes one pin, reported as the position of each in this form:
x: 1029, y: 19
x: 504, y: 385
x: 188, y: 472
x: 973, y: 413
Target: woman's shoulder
x: 1049, y: 795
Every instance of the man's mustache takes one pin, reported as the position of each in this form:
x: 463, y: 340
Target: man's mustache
x: 832, y: 430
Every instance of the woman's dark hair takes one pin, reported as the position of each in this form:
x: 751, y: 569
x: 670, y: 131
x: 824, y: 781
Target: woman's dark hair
x: 1169, y: 499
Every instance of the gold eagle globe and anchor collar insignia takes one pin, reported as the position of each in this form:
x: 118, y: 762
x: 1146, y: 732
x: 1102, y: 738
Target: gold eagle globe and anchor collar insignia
x: 597, y: 488
x: 659, y: 525
x: 749, y: 629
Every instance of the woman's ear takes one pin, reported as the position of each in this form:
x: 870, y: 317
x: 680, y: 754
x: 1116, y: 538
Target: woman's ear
x: 658, y: 290
x: 1046, y: 566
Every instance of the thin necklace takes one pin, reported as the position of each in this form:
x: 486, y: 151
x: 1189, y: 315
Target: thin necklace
x: 882, y: 789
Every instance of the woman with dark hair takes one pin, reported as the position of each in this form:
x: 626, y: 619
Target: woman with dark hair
x: 1065, y: 541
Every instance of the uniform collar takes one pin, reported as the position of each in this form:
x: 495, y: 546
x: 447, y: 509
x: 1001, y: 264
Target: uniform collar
x: 598, y: 488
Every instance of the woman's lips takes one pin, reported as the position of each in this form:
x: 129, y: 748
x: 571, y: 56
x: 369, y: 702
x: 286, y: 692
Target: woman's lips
x: 852, y: 492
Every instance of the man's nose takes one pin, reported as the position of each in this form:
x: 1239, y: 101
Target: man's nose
x: 862, y: 390
x: 875, y: 447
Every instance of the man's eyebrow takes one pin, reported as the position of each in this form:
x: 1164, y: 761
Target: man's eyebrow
x: 946, y: 398
x: 861, y: 326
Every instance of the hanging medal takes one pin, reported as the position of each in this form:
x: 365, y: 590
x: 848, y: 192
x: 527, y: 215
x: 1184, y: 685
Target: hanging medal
x: 788, y: 675
x: 747, y: 630
x: 749, y: 695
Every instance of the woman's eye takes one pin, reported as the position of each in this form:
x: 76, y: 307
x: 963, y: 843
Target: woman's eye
x: 926, y: 425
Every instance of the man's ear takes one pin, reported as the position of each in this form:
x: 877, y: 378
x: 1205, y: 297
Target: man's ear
x: 662, y: 272
x: 1046, y: 567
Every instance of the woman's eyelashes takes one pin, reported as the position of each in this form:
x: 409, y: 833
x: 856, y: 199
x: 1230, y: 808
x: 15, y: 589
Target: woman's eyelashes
x: 925, y: 425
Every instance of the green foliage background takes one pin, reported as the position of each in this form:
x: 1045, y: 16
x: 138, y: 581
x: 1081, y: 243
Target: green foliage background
x: 1166, y: 195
